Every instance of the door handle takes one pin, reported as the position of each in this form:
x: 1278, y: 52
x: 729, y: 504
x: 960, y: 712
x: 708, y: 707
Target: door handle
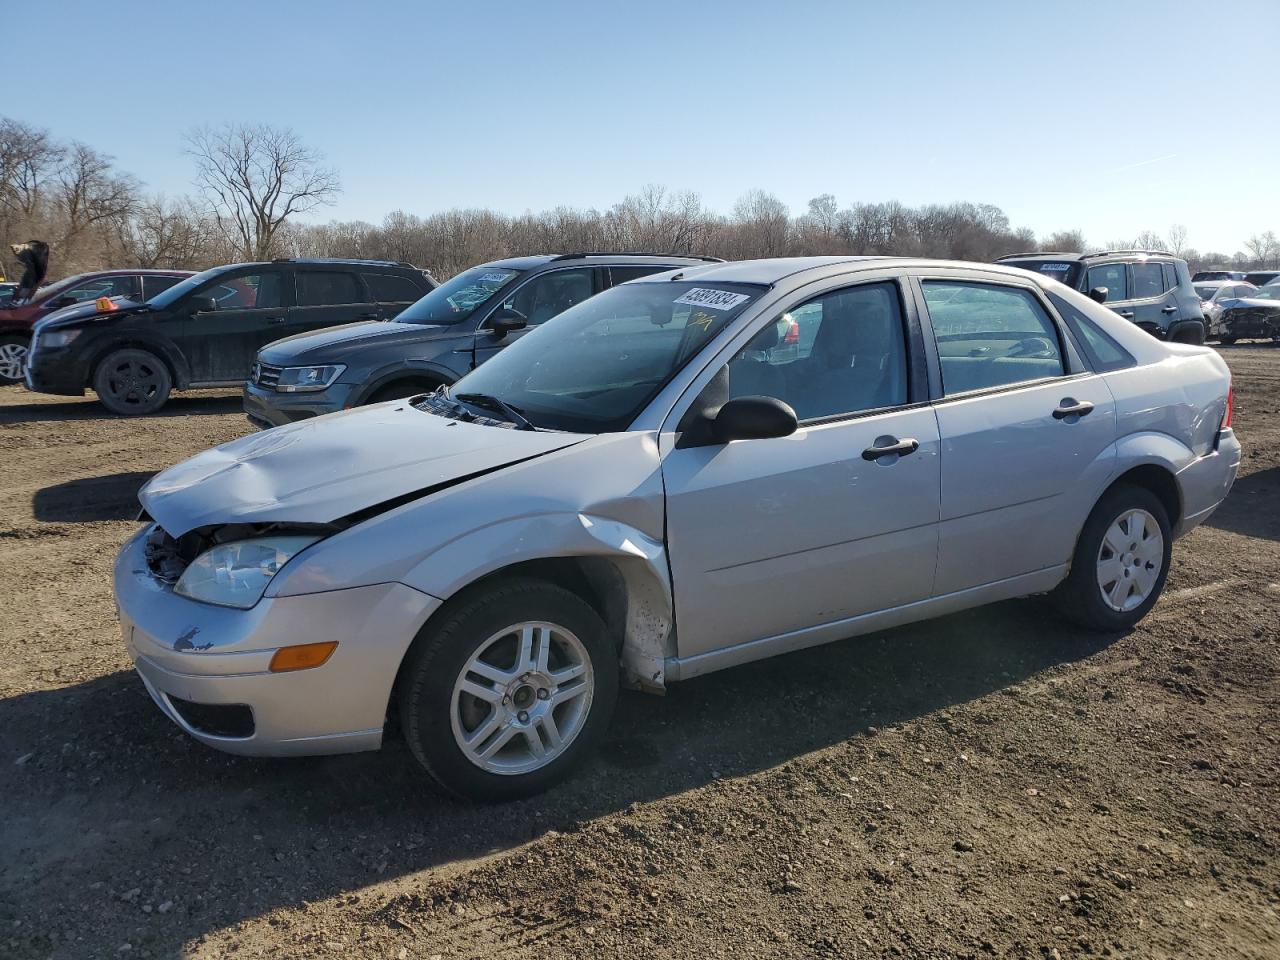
x: 275, y: 319
x: 1127, y: 314
x: 1070, y: 407
x: 889, y: 446
x: 371, y: 315
x: 1170, y: 309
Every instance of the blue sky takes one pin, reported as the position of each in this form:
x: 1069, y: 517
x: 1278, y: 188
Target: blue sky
x: 1110, y: 117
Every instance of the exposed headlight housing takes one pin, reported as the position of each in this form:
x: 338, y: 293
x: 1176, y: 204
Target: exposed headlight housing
x: 57, y: 338
x: 306, y: 379
x: 236, y: 574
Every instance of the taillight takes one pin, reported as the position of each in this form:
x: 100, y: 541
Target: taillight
x: 1231, y: 403
x: 793, y: 333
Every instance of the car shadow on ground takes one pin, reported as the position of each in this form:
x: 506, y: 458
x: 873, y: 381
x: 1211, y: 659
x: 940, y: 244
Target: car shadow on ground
x: 115, y: 790
x: 111, y: 497
x: 88, y: 408
x: 1250, y: 509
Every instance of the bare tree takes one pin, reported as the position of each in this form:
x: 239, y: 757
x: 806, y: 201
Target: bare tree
x: 90, y: 193
x: 1262, y: 248
x: 163, y: 233
x: 1177, y: 240
x: 1149, y: 240
x: 1064, y: 241
x: 255, y: 178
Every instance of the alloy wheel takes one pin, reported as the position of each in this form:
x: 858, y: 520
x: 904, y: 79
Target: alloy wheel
x: 522, y: 698
x: 134, y: 382
x: 1130, y: 560
x: 13, y: 360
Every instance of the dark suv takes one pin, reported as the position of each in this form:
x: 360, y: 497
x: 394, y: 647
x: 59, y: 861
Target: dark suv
x: 17, y: 320
x: 1151, y: 288
x: 206, y: 330
x: 450, y: 331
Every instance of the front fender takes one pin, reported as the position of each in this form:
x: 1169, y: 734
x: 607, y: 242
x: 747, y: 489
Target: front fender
x: 638, y: 574
x: 403, y: 370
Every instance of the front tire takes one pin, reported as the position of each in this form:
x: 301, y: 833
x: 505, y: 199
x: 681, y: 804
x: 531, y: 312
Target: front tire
x: 509, y: 691
x: 13, y: 359
x: 132, y: 382
x: 1121, y: 561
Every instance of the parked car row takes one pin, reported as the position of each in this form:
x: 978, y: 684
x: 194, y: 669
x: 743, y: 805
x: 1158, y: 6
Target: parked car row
x: 710, y: 464
x: 205, y: 329
x: 308, y: 337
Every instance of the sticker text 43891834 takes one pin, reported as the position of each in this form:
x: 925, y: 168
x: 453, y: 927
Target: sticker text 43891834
x: 715, y: 299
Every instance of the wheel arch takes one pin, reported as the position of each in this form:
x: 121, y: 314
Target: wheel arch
x: 426, y: 374
x: 171, y: 356
x: 1159, y: 480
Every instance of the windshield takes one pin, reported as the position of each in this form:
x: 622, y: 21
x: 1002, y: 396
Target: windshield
x: 1063, y: 271
x: 456, y: 299
x: 1269, y: 292
x: 593, y: 368
x: 179, y: 290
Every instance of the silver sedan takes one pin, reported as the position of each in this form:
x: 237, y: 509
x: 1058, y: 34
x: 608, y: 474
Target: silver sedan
x: 688, y: 472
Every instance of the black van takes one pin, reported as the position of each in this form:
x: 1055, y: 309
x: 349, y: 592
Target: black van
x: 206, y: 330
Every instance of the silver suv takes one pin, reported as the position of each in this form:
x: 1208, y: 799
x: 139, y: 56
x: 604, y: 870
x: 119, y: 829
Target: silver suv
x: 687, y: 472
x: 1150, y: 288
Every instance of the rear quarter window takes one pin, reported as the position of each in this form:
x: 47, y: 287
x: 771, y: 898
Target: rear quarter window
x: 388, y: 288
x: 1103, y: 353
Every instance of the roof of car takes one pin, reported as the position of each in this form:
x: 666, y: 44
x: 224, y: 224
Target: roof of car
x: 129, y: 272
x: 777, y: 269
x: 1095, y: 255
x: 542, y: 259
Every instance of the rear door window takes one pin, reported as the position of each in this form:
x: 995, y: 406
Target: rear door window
x: 1113, y: 276
x: 990, y: 335
x: 322, y: 288
x: 151, y: 285
x: 1148, y: 280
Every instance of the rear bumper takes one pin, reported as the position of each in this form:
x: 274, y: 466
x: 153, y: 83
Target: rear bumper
x: 1206, y: 481
x: 199, y: 661
x: 266, y: 408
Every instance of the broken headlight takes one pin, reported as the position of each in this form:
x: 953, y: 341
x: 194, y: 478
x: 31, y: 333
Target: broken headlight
x: 236, y: 574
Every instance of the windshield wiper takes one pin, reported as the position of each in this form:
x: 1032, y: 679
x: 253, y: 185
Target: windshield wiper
x: 488, y: 402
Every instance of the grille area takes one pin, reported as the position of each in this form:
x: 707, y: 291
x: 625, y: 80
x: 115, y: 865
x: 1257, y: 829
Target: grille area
x: 217, y: 720
x: 266, y: 375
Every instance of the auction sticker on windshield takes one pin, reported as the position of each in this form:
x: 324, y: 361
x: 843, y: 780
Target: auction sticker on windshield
x: 715, y: 299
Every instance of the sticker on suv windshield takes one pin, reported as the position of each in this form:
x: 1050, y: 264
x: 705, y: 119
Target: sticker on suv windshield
x: 493, y: 277
x: 715, y: 299
x: 1054, y: 267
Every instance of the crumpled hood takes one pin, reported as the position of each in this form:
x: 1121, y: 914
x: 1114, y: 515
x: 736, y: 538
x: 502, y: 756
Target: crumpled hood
x: 329, y: 344
x: 321, y: 470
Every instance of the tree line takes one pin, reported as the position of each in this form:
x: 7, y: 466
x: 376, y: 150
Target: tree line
x: 253, y: 183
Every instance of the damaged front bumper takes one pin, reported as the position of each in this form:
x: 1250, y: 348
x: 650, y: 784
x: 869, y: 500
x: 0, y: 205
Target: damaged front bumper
x: 206, y: 667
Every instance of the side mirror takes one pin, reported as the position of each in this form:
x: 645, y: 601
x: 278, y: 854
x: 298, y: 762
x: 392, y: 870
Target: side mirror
x: 57, y: 303
x: 203, y: 304
x: 507, y: 321
x: 1099, y: 294
x: 753, y: 418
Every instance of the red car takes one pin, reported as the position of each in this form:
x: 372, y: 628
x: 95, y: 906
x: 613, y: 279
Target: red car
x: 16, y: 321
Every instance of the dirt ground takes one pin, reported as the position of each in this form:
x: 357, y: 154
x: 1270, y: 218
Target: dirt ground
x: 988, y: 784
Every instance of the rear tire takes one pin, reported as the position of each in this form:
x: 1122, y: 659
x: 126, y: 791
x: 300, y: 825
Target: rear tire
x: 132, y: 382
x: 1226, y: 341
x: 1189, y: 333
x: 486, y: 712
x: 13, y: 359
x: 1120, y: 563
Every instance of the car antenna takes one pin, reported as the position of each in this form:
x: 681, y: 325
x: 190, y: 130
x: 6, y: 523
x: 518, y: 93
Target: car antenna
x: 679, y: 276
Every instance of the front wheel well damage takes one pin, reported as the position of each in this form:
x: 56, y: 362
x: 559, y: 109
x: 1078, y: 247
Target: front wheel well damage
x: 636, y: 613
